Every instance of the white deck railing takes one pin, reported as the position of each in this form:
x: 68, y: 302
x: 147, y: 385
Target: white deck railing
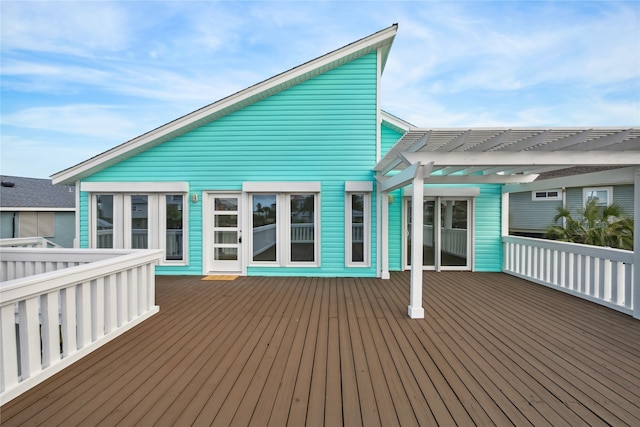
x: 58, y: 305
x: 453, y: 240
x: 27, y: 242
x: 600, y: 275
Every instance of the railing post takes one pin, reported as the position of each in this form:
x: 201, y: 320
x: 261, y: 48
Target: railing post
x: 636, y: 244
x: 415, y: 306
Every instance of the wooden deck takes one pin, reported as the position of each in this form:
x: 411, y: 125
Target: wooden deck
x: 492, y: 350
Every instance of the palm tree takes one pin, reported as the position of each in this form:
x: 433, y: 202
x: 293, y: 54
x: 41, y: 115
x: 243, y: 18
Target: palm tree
x: 599, y: 226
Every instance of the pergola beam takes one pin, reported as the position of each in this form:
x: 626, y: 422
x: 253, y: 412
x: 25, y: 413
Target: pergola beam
x: 525, y: 158
x: 405, y: 177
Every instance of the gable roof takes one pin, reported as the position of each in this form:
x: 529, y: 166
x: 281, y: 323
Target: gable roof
x: 18, y: 193
x: 380, y: 40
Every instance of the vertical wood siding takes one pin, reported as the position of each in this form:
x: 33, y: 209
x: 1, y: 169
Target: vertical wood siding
x: 323, y: 130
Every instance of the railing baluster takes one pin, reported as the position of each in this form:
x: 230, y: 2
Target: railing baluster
x: 29, y: 331
x: 111, y: 303
x: 97, y: 309
x: 8, y: 348
x: 69, y: 338
x: 49, y: 304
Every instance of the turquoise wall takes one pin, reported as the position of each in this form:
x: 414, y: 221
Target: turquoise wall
x: 488, y: 228
x: 388, y: 138
x: 322, y: 130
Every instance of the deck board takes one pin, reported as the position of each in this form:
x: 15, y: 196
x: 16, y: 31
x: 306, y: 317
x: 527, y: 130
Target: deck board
x: 492, y: 350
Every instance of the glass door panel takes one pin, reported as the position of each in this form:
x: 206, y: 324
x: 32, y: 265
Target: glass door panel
x: 428, y: 236
x: 454, y: 220
x: 225, y: 234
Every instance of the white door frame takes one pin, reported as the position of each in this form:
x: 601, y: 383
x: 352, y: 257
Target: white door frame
x: 437, y: 235
x: 209, y: 264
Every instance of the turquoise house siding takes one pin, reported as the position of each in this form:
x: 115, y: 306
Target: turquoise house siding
x: 388, y: 138
x: 488, y: 225
x: 322, y: 130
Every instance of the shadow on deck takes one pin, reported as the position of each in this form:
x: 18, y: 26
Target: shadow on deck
x: 493, y: 349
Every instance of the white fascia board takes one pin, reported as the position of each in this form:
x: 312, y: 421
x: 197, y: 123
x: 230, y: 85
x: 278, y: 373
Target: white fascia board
x: 135, y: 187
x: 281, y: 187
x: 396, y: 122
x: 620, y: 176
x: 526, y: 158
x: 381, y: 38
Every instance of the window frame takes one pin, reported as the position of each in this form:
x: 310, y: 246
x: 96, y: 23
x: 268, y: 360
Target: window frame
x: 283, y: 224
x: 547, y: 198
x: 156, y: 217
x: 366, y: 230
x: 587, y: 190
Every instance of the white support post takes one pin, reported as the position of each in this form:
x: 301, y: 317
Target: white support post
x: 415, y: 305
x: 504, y: 209
x: 384, y: 235
x: 636, y: 244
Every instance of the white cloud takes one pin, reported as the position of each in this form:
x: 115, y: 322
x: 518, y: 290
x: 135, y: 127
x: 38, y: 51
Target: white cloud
x: 92, y: 121
x: 65, y: 27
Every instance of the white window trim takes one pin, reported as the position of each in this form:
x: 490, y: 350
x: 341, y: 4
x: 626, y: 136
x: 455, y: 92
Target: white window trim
x: 366, y: 226
x: 156, y: 221
x: 283, y: 225
x: 535, y: 198
x: 135, y: 187
x: 162, y: 236
x: 586, y: 191
x: 278, y: 187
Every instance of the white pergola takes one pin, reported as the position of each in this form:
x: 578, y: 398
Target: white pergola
x: 494, y: 155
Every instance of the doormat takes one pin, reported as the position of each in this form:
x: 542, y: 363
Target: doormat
x: 220, y: 277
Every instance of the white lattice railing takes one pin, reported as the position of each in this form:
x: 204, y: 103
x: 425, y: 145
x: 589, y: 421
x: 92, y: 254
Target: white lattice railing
x: 58, y: 305
x: 601, y: 275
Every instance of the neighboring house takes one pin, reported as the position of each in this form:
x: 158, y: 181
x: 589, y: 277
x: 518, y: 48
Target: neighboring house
x: 304, y: 174
x: 31, y: 207
x: 532, y: 212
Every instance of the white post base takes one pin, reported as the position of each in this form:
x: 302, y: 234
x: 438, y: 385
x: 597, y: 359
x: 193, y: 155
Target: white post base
x: 385, y: 275
x: 416, y: 312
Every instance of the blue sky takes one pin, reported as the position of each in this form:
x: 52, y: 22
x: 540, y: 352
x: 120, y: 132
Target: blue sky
x: 78, y: 78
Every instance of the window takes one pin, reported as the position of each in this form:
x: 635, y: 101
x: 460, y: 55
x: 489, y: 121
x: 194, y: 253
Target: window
x: 284, y: 229
x: 357, y: 224
x: 36, y: 224
x: 602, y: 195
x: 264, y: 227
x: 140, y: 221
x: 546, y: 195
x: 174, y: 227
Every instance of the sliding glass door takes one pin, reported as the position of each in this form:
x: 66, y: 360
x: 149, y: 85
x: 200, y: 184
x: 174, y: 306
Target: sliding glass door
x: 446, y: 233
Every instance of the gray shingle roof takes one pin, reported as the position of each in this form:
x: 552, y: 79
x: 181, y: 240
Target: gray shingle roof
x: 35, y: 193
